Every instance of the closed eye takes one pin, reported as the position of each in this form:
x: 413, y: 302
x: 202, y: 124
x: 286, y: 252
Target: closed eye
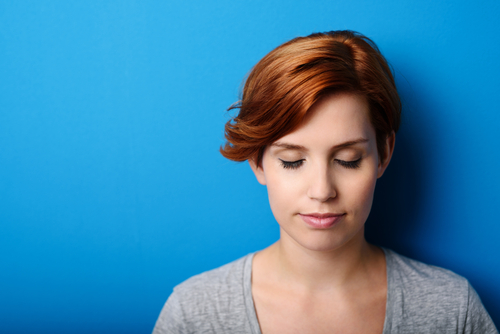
x: 349, y: 164
x: 292, y: 164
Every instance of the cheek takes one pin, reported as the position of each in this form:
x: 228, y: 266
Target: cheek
x: 359, y: 192
x: 278, y: 193
x: 282, y: 193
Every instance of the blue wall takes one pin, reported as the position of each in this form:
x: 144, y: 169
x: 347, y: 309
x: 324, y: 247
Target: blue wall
x: 112, y: 189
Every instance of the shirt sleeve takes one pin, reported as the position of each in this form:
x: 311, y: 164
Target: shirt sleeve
x: 172, y: 317
x: 478, y: 321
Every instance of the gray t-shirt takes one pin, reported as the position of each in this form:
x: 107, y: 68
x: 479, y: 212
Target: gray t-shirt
x: 420, y: 299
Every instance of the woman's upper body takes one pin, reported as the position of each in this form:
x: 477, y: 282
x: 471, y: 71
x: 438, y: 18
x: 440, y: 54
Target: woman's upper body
x: 420, y: 299
x: 317, y: 123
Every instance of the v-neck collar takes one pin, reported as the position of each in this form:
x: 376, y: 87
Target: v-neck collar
x: 250, y: 306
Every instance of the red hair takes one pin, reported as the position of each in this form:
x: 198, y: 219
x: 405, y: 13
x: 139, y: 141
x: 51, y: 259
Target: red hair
x: 283, y: 86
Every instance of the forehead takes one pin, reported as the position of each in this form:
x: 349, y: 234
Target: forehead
x: 334, y: 119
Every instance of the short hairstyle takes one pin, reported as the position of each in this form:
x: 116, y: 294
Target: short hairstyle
x: 282, y: 87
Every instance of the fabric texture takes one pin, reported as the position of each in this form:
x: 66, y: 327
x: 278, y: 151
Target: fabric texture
x: 420, y: 299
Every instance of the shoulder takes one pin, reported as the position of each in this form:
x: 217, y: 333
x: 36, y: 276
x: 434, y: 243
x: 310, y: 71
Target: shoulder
x: 211, y: 302
x: 226, y: 278
x: 410, y: 273
x: 423, y: 297
x: 420, y: 288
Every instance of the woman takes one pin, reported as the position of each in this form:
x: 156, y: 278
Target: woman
x: 317, y: 123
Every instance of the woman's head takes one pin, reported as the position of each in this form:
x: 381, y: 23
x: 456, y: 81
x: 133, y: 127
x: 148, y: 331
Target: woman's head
x: 281, y: 89
x: 321, y: 177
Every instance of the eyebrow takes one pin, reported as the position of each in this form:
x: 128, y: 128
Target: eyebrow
x: 288, y: 146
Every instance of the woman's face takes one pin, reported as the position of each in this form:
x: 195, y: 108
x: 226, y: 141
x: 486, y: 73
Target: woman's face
x: 321, y: 177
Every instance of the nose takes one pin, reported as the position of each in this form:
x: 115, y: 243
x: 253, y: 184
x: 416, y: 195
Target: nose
x: 322, y: 184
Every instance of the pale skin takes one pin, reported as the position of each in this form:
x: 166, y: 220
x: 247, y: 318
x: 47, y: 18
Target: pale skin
x: 324, y: 279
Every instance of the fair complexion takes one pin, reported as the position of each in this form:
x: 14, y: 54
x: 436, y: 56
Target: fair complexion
x: 322, y: 276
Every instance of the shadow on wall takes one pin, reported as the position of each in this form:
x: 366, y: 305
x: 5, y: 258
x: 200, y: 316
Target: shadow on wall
x: 394, y: 215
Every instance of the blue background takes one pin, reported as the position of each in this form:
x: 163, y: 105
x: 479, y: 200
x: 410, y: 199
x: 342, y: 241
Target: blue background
x: 112, y: 189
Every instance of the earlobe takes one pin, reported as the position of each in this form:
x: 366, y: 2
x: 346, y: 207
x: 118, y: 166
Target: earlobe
x: 390, y: 141
x: 258, y: 171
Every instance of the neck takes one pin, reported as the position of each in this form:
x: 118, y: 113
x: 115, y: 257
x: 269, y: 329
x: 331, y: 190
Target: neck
x: 346, y: 265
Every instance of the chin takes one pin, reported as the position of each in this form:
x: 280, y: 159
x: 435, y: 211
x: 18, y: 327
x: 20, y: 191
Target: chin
x: 321, y: 243
x: 324, y: 241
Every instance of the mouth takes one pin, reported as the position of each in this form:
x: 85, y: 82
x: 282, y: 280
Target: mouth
x: 321, y: 220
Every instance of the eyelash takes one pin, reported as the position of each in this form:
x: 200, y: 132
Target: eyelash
x: 296, y: 164
x: 291, y: 164
x: 349, y: 164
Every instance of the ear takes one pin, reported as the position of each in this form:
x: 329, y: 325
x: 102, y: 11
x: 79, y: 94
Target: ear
x: 390, y: 141
x: 258, y: 171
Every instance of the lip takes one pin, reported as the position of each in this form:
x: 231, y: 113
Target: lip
x: 321, y: 220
